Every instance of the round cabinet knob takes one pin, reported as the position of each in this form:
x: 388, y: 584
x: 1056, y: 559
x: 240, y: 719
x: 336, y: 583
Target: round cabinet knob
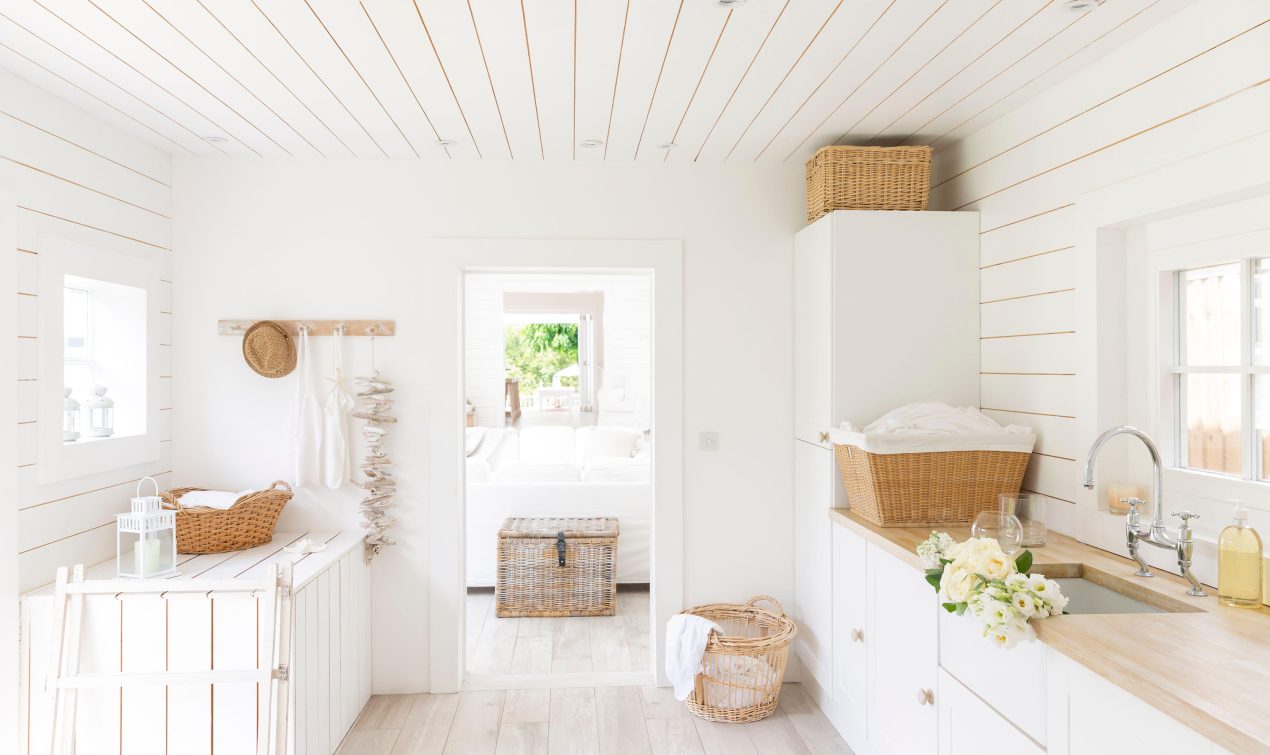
x: 925, y: 697
x: 857, y: 635
x: 824, y: 436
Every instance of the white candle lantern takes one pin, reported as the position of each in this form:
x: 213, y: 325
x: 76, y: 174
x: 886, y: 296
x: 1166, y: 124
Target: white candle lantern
x: 101, y: 414
x: 146, y: 538
x: 70, y: 417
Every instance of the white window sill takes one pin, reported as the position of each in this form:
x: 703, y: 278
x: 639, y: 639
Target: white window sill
x: 1220, y: 487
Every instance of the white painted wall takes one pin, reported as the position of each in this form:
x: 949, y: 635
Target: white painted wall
x: 352, y: 239
x: 76, y: 178
x: 1193, y: 83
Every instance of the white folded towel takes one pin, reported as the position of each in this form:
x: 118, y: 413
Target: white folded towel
x: 686, y: 637
x: 211, y: 499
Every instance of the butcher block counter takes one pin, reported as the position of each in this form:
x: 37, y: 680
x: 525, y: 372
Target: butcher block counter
x: 1202, y: 663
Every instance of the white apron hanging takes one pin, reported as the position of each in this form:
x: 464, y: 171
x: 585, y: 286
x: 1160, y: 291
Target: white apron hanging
x: 335, y: 463
x: 308, y: 418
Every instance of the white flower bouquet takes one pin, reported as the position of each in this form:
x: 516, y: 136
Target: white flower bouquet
x: 976, y: 575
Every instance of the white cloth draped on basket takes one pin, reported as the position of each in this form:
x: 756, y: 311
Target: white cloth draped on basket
x: 212, y: 499
x: 933, y: 426
x: 686, y: 638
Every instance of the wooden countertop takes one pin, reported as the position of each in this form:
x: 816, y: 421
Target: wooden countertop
x: 1209, y: 669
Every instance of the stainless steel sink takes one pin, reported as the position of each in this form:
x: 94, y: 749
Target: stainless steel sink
x: 1093, y: 591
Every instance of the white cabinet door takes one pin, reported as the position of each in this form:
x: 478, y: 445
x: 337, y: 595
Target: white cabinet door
x: 968, y: 726
x: 903, y: 642
x: 1012, y: 681
x: 813, y: 331
x: 850, y: 688
x: 813, y: 486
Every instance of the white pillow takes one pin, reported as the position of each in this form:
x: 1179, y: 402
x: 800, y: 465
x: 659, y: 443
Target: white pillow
x: 618, y: 470
x: 554, y: 445
x: 607, y: 443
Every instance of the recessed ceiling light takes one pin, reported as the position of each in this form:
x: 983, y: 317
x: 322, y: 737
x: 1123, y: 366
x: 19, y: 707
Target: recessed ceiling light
x: 667, y: 145
x: 591, y: 143
x: 215, y: 139
x: 1082, y: 5
x: 446, y: 142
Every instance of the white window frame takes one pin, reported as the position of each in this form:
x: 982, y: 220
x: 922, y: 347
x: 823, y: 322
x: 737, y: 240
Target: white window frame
x: 87, y: 359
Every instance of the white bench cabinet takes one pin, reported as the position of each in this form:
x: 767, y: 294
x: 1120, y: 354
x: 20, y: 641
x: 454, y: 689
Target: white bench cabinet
x: 329, y: 666
x: 850, y: 621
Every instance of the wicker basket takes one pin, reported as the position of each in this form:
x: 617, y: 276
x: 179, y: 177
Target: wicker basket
x: 246, y: 524
x: 743, y: 668
x: 867, y: 178
x: 556, y: 567
x: 927, y: 489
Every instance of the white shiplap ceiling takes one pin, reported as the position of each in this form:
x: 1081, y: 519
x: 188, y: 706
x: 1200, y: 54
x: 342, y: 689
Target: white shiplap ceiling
x: 768, y: 80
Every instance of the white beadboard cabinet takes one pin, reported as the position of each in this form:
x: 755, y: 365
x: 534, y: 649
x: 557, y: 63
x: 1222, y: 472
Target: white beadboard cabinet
x: 330, y: 663
x: 886, y: 312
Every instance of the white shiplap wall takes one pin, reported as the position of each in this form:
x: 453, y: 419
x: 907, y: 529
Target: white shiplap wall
x: 1193, y: 83
x: 77, y: 178
x: 627, y: 324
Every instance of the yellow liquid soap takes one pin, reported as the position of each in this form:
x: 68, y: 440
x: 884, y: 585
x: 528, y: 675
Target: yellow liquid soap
x: 1239, y: 563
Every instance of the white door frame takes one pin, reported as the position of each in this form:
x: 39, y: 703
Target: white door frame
x: 1103, y: 215
x: 444, y: 339
x: 9, y: 660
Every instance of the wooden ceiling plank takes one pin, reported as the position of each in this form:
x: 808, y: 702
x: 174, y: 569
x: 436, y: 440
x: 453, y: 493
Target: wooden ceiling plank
x: 649, y: 29
x: 33, y: 53
x: 830, y: 114
x: 749, y: 29
x: 799, y: 24
x: 501, y: 32
x: 447, y: 27
x: 599, y: 48
x: 550, y: 30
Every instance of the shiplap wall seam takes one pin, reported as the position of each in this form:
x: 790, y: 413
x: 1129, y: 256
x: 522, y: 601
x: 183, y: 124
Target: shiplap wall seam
x: 79, y: 179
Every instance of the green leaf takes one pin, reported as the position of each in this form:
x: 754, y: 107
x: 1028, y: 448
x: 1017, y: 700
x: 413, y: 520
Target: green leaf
x: 950, y: 607
x: 1024, y: 561
x: 961, y: 608
x: 933, y: 579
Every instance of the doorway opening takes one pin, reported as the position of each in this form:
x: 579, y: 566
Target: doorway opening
x: 558, y: 408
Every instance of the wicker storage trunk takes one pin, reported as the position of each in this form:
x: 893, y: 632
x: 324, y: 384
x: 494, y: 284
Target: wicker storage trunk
x: 556, y: 567
x: 867, y: 178
x: 927, y: 489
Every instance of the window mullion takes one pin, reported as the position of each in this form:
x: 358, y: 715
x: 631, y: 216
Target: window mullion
x: 1248, y: 431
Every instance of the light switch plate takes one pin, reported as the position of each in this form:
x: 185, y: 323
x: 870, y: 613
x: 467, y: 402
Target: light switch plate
x: 709, y: 441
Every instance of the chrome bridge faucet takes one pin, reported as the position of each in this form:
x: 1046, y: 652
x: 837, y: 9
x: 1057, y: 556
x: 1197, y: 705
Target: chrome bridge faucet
x: 1158, y: 534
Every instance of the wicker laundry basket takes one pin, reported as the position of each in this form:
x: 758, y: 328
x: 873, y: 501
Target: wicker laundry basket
x: 927, y: 489
x: 246, y: 524
x: 867, y: 178
x: 556, y: 567
x: 743, y: 668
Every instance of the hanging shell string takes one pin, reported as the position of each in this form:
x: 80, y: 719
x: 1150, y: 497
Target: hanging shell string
x: 374, y: 404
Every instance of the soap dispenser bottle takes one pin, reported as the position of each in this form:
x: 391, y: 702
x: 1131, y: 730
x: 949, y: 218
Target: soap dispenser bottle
x: 1239, y: 562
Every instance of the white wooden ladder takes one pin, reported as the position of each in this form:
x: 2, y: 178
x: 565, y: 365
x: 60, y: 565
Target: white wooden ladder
x: 273, y: 589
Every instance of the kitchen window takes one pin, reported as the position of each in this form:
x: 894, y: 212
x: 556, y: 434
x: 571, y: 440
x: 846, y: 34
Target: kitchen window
x: 1220, y: 369
x: 78, y: 342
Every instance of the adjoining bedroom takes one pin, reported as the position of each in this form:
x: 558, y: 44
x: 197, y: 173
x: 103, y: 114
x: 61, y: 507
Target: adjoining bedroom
x: 557, y: 383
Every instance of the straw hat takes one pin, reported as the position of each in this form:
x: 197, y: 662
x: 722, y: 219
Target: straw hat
x: 269, y: 349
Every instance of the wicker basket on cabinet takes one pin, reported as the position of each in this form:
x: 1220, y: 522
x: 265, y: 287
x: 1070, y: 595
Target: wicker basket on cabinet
x: 743, y: 668
x: 556, y: 567
x: 867, y: 178
x: 246, y: 524
x: 927, y: 489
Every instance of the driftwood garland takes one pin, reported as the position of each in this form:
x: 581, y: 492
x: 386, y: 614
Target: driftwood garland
x: 373, y: 405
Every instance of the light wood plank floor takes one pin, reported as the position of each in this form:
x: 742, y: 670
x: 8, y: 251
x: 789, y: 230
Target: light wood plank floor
x: 582, y: 721
x: 566, y: 645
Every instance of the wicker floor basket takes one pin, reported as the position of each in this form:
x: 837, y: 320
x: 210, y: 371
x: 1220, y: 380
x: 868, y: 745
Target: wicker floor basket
x: 556, y: 567
x: 927, y: 489
x: 867, y: 178
x: 743, y: 668
x: 246, y: 524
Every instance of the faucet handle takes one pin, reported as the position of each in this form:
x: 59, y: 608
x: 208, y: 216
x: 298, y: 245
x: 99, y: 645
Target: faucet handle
x: 1186, y: 517
x: 1133, y: 503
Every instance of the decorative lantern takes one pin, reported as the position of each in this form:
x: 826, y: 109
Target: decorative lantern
x: 101, y: 414
x: 146, y: 537
x: 70, y: 417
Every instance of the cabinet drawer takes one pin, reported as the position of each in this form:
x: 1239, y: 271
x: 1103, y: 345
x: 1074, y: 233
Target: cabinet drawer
x: 1011, y: 681
x: 969, y: 726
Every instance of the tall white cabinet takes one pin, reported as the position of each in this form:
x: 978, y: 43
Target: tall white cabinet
x: 886, y: 312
